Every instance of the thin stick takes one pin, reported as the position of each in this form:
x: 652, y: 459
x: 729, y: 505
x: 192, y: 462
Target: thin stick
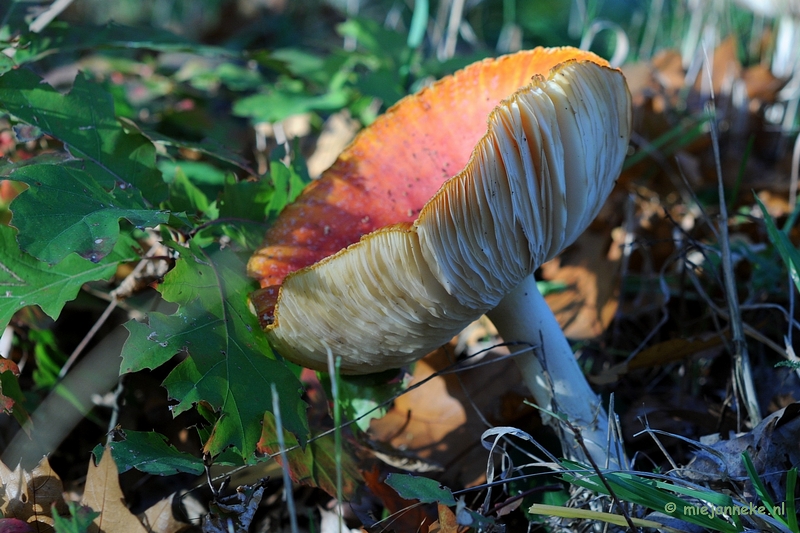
x: 287, y: 480
x: 743, y: 376
x: 87, y: 338
x: 45, y: 18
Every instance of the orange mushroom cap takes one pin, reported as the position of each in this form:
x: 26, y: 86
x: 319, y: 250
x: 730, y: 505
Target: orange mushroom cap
x: 430, y: 216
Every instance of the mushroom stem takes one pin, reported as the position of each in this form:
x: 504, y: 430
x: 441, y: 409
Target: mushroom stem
x: 552, y: 374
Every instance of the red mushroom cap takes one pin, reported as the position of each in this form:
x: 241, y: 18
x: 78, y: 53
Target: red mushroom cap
x: 453, y: 213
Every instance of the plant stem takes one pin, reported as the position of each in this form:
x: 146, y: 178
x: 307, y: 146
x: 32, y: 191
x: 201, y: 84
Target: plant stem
x: 552, y: 374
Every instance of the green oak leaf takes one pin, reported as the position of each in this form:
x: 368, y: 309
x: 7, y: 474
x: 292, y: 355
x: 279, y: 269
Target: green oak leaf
x: 24, y: 280
x: 229, y: 364
x: 149, y: 452
x: 420, y: 488
x: 84, y: 121
x: 74, y: 207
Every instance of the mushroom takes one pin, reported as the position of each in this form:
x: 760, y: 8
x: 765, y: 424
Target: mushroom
x: 430, y: 219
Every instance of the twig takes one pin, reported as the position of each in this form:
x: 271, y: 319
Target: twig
x: 46, y: 17
x: 87, y: 338
x: 743, y: 374
x: 749, y: 330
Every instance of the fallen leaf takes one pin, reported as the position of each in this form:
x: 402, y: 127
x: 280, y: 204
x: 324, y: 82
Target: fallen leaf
x: 586, y: 305
x: 234, y: 513
x: 725, y: 68
x: 772, y: 446
x: 30, y: 496
x: 438, y: 421
x: 103, y: 494
x: 446, y: 523
x: 159, y: 518
x: 660, y: 354
x: 761, y: 84
x: 337, y: 133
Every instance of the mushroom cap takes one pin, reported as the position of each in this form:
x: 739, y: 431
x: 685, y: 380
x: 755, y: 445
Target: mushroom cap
x: 430, y: 217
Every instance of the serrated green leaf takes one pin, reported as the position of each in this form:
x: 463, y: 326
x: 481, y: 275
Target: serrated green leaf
x: 229, y: 363
x: 149, y: 452
x: 84, y: 120
x: 420, y: 488
x: 24, y: 280
x: 69, y: 208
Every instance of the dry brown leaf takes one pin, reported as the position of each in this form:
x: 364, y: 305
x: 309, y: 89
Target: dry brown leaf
x: 668, y: 69
x: 761, y: 84
x: 159, y: 518
x: 30, y: 496
x: 104, y: 495
x: 772, y: 446
x: 657, y: 355
x: 725, y: 68
x: 588, y: 303
x: 447, y: 522
x: 438, y: 421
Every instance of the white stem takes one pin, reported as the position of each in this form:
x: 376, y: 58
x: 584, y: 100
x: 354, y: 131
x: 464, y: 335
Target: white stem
x: 524, y: 316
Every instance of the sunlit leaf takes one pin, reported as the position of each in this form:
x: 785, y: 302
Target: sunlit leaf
x: 277, y: 105
x: 28, y: 281
x: 229, y: 363
x: 84, y: 120
x: 74, y: 207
